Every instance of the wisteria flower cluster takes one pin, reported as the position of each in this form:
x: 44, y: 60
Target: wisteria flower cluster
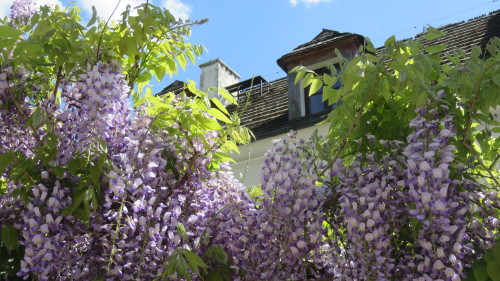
x: 13, y: 112
x: 21, y: 11
x: 406, y: 215
x: 92, y: 188
x: 283, y: 240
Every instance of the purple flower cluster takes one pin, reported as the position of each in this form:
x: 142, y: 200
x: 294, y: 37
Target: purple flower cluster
x: 21, y: 11
x: 14, y: 112
x: 284, y: 240
x: 52, y: 242
x: 97, y: 110
x: 157, y: 182
x: 405, y: 215
x: 369, y: 214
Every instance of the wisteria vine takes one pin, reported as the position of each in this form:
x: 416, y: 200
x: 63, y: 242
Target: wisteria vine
x: 99, y: 190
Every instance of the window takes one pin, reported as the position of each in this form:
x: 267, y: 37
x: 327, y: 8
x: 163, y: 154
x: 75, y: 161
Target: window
x: 314, y: 103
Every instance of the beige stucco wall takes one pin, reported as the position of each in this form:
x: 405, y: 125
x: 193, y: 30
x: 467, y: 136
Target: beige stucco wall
x: 251, y: 158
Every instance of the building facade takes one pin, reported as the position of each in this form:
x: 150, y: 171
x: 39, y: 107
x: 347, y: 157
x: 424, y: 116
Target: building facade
x: 276, y: 107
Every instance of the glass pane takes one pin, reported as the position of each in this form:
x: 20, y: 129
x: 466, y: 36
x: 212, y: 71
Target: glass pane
x: 315, y: 103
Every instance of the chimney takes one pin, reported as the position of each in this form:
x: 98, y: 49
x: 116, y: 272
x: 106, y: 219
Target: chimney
x: 216, y: 73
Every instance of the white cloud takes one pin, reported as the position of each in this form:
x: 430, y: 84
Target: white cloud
x: 307, y: 2
x: 178, y: 9
x: 5, y: 5
x: 106, y: 7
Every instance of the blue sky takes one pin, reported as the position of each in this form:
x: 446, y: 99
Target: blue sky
x: 250, y: 36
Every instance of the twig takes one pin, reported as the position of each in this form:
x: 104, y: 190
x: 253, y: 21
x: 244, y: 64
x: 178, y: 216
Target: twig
x: 58, y: 80
x: 98, y: 55
x: 474, y: 100
x: 474, y: 152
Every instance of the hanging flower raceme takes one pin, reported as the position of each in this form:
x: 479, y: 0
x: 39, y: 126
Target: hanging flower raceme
x: 14, y: 111
x: 21, y: 11
x: 406, y: 213
x: 96, y: 112
x: 284, y: 240
x: 370, y: 209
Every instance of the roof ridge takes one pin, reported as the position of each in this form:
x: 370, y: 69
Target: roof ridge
x: 480, y: 17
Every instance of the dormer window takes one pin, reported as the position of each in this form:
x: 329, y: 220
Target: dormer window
x: 316, y: 54
x: 314, y: 103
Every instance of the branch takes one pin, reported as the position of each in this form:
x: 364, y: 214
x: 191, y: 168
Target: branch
x: 98, y: 55
x: 475, y: 100
x: 481, y: 163
x: 58, y: 80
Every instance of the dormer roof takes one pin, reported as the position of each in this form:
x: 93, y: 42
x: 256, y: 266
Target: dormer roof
x: 326, y: 38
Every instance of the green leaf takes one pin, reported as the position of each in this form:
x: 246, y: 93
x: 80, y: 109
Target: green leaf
x: 128, y: 46
x: 181, y: 229
x: 58, y: 171
x: 220, y: 106
x: 496, y: 79
x: 160, y: 71
x: 207, y: 123
x: 219, y: 115
x: 181, y: 59
x: 5, y: 160
x: 226, y: 95
x: 73, y: 165
x: 435, y: 48
x: 37, y: 118
x: 194, y: 261
x: 9, y: 237
x: 332, y: 95
x: 93, y: 19
x: 493, y: 270
x: 372, y: 58
x: 177, y: 263
x: 307, y: 80
x: 299, y: 76
x: 390, y: 41
x: 223, y: 157
x: 480, y: 272
x: 329, y: 80
x: 420, y: 99
x: 231, y: 146
x: 369, y: 46
x: 7, y: 43
x: 78, y: 196
x: 216, y: 252
x: 97, y: 169
x: 495, y: 250
x: 214, y: 276
x: 315, y: 86
x: 7, y: 31
x: 433, y: 33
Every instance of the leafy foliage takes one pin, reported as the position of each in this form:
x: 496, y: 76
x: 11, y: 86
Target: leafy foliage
x: 93, y: 187
x: 383, y: 91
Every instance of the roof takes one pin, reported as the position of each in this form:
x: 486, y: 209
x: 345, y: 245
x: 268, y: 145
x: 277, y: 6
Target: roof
x: 325, y: 37
x: 267, y: 115
x: 464, y: 35
x: 174, y: 87
x: 264, y: 111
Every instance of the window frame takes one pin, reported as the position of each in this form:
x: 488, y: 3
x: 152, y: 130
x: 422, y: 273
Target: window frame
x: 307, y: 97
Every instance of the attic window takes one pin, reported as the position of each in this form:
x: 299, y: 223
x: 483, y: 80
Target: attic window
x: 252, y: 83
x: 314, y: 103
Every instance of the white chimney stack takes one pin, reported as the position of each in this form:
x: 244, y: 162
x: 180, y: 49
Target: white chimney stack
x: 216, y: 73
